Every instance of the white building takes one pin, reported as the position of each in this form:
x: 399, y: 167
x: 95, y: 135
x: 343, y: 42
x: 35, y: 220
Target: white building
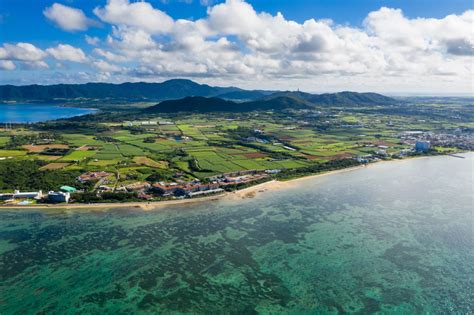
x: 28, y: 195
x: 59, y: 196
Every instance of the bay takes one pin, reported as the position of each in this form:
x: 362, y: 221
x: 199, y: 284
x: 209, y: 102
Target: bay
x: 392, y: 238
x: 31, y: 113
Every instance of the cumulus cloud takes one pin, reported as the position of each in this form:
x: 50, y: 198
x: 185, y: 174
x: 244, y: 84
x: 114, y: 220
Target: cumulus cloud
x: 460, y: 47
x: 92, y: 40
x: 7, y: 65
x: 34, y: 65
x: 206, y: 2
x: 67, y: 53
x: 26, y: 55
x: 141, y: 15
x: 68, y: 18
x: 21, y: 52
x: 104, y: 66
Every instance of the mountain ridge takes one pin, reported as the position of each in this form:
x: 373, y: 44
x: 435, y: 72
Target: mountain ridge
x: 176, y: 89
x: 170, y: 89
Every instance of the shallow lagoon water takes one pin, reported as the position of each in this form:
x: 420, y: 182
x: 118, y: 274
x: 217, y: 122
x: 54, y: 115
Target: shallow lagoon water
x: 391, y: 238
x: 30, y: 113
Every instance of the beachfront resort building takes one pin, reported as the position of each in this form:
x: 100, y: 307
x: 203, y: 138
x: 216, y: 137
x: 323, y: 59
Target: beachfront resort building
x: 22, y: 195
x: 58, y: 197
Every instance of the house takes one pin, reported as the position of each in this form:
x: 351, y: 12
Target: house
x: 381, y: 153
x: 145, y: 196
x: 276, y: 171
x: 89, y: 176
x: 58, y: 197
x: 138, y: 186
x: 362, y: 160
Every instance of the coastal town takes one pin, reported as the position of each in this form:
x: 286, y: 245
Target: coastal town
x: 144, y: 191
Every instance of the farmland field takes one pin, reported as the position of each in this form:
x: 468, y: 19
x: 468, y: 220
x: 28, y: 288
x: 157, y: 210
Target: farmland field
x: 12, y: 153
x: 54, y: 166
x: 143, y: 160
x: 78, y: 155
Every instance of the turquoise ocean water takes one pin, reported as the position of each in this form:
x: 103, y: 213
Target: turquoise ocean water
x: 29, y: 113
x: 393, y: 238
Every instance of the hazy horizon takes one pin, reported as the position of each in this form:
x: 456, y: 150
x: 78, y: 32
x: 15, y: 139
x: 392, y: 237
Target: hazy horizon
x: 392, y: 94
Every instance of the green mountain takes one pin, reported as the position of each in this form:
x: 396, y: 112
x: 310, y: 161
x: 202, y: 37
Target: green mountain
x: 342, y: 98
x: 214, y: 104
x: 244, y: 95
x: 171, y: 89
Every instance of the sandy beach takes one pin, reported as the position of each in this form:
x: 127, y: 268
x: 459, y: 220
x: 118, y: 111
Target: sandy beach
x: 245, y: 193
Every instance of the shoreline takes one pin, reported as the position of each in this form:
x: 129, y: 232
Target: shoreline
x: 245, y: 193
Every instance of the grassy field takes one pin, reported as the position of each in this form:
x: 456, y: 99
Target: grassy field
x: 12, y: 153
x: 143, y: 160
x: 78, y: 155
x: 54, y: 166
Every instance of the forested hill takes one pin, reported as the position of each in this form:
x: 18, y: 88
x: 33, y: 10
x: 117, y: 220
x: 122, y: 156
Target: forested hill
x: 171, y: 89
x: 214, y: 104
x: 341, y: 98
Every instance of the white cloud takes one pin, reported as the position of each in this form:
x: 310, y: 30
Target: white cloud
x: 110, y: 55
x: 7, y: 65
x: 68, y: 18
x: 34, y: 65
x: 206, y: 2
x: 131, y: 38
x: 67, y: 53
x: 21, y: 52
x: 141, y: 15
x: 104, y: 66
x: 92, y: 40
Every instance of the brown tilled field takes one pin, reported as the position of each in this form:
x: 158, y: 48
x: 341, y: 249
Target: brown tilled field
x: 255, y: 155
x: 54, y: 166
x: 42, y: 147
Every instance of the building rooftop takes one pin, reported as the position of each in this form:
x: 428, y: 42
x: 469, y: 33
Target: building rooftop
x: 68, y: 189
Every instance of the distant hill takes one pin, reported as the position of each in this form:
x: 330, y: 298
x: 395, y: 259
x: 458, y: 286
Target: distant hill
x: 341, y: 98
x: 171, y: 89
x: 214, y: 104
x: 352, y: 99
x: 244, y: 95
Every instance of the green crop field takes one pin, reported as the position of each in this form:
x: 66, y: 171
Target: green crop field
x: 12, y: 153
x: 78, y: 155
x: 3, y: 141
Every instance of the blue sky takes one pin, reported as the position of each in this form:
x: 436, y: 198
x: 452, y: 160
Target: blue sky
x: 19, y: 17
x: 238, y: 42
